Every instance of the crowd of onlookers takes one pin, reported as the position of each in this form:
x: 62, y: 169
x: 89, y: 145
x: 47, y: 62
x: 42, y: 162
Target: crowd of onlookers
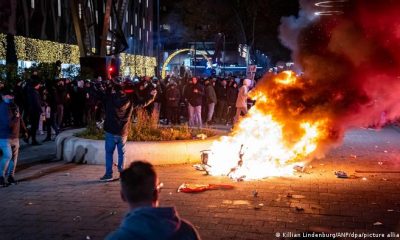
x: 49, y: 105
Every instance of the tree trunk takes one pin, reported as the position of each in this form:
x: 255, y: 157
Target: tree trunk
x: 12, y: 26
x: 56, y: 20
x: 26, y: 17
x: 43, y: 8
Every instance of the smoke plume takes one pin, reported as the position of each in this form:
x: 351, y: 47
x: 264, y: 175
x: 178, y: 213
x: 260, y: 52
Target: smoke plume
x: 349, y: 53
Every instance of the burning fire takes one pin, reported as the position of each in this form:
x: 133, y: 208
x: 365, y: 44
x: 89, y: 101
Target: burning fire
x: 265, y: 142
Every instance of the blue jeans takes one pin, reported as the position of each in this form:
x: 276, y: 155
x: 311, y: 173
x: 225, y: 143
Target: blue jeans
x: 8, y: 160
x: 111, y: 142
x: 195, y: 116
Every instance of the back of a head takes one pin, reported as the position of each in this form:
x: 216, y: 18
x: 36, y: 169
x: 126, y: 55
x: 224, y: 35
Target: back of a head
x: 138, y: 182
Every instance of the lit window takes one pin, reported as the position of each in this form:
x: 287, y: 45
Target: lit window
x: 131, y: 29
x: 147, y: 3
x: 140, y: 34
x: 151, y: 26
x: 147, y: 37
x: 144, y: 23
x: 126, y: 16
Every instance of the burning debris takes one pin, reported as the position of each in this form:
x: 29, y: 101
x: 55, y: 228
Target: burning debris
x: 196, y: 188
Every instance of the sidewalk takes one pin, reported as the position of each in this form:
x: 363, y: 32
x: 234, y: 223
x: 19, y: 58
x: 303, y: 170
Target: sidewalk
x: 58, y: 200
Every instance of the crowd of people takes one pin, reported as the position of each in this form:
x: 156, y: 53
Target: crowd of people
x: 47, y: 105
x: 52, y: 105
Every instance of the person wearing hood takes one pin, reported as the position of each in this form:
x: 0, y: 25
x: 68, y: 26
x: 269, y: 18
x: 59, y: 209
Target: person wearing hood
x: 119, y: 102
x: 10, y: 123
x: 140, y: 189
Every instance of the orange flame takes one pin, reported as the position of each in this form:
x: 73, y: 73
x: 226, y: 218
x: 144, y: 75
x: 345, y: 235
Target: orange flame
x: 272, y: 143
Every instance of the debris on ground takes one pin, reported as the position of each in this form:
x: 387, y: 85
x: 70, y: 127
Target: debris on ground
x: 380, y: 163
x: 29, y: 203
x: 201, y: 136
x: 341, y: 174
x: 299, y: 209
x: 259, y: 206
x: 364, y: 179
x: 67, y: 174
x: 390, y: 210
x: 385, y: 151
x: 298, y: 168
x: 196, y: 188
x: 255, y: 193
x: 295, y: 196
x: 113, y: 212
x: 384, y: 179
x: 88, y: 237
x: 378, y: 224
x: 353, y: 156
x: 199, y: 167
x: 77, y: 219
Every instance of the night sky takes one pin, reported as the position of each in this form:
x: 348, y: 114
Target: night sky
x: 201, y: 20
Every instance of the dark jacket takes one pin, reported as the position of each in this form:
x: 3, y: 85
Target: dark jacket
x: 172, y: 97
x: 10, y: 120
x: 118, y: 108
x: 34, y: 101
x: 211, y: 97
x: 232, y: 94
x: 195, y: 99
x: 221, y: 92
x: 118, y: 114
x: 154, y: 223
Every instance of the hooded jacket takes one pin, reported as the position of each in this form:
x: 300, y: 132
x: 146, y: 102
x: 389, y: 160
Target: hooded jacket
x: 150, y: 223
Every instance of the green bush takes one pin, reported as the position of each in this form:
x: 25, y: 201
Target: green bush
x: 146, y: 128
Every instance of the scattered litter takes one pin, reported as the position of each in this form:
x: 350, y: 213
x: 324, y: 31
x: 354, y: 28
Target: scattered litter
x: 295, y: 196
x: 364, y: 179
x: 373, y: 203
x: 299, y: 209
x: 170, y: 193
x: 376, y: 146
x: 378, y: 224
x: 195, y: 188
x: 113, y: 212
x: 385, y: 151
x: 29, y: 203
x: 201, y: 136
x: 259, y: 206
x: 321, y: 164
x: 380, y: 163
x: 67, y: 174
x: 353, y: 156
x: 310, y: 167
x: 255, y: 193
x: 77, y: 219
x: 384, y: 179
x: 199, y: 167
x: 88, y: 237
x: 390, y: 210
x: 341, y: 174
x: 298, y: 168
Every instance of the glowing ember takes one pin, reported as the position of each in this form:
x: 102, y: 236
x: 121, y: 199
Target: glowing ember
x: 267, y: 150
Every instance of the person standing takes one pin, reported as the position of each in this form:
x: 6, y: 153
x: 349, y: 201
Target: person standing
x: 119, y: 104
x: 221, y: 90
x: 211, y: 100
x: 241, y: 101
x: 173, y: 97
x: 194, y: 96
x: 10, y: 122
x: 34, y: 107
x: 231, y: 96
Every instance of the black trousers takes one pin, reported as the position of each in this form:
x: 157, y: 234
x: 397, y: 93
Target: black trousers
x: 34, y: 121
x: 173, y: 115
